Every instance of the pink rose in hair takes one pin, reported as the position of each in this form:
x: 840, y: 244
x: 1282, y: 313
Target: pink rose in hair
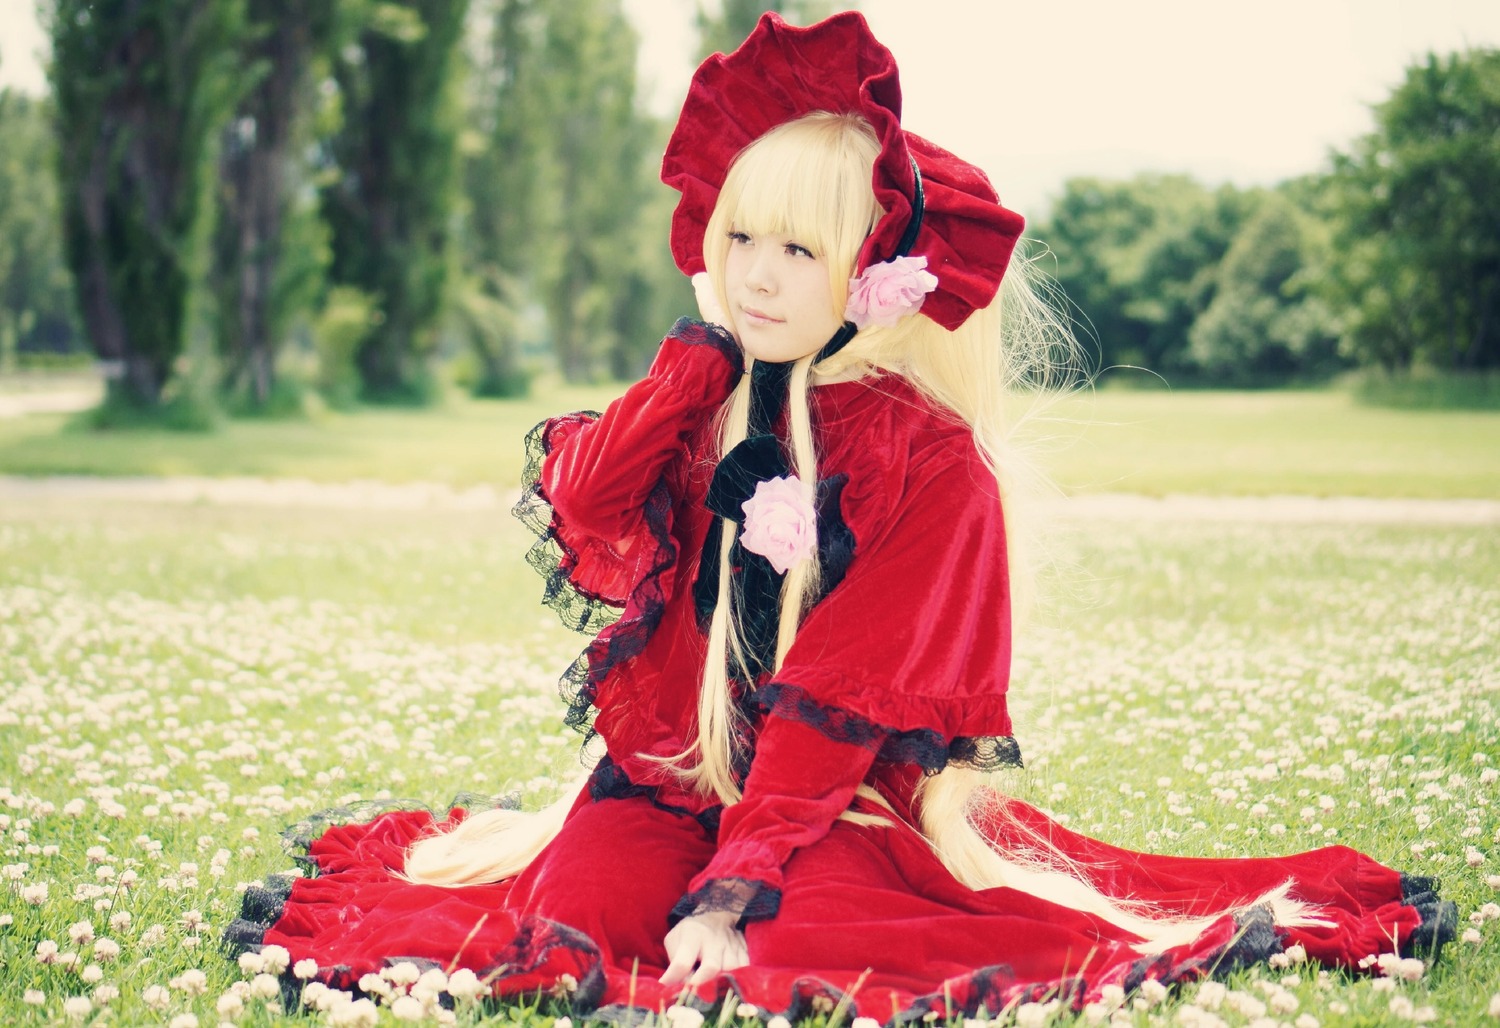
x: 885, y: 293
x: 780, y: 523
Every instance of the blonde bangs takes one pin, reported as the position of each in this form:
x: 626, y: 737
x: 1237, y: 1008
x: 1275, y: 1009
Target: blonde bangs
x: 809, y: 179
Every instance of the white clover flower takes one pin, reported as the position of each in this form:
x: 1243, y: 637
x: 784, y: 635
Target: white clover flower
x: 408, y: 1008
x: 746, y: 1010
x: 230, y: 1006
x: 193, y: 982
x: 156, y: 997
x: 35, y: 894
x: 1297, y: 954
x: 252, y: 963
x: 1403, y: 1007
x: 183, y: 1021
x: 429, y: 985
x: 1494, y: 1010
x: 1471, y: 936
x: 106, y: 994
x: 870, y: 1022
x: 36, y: 997
x: 465, y: 985
x: 1306, y: 1021
x: 1153, y: 991
x: 361, y: 1013
x: 265, y: 986
x: 1282, y: 1002
x: 563, y: 1022
x: 401, y: 973
x: 81, y: 932
x: 305, y: 968
x: 93, y: 974
x: 1490, y: 911
x: 78, y: 1007
x: 155, y: 935
x: 74, y: 808
x: 375, y: 985
x: 192, y: 920
x: 46, y: 952
x: 275, y: 958
x: 1210, y: 995
x: 679, y: 1016
x: 312, y: 992
x: 1474, y: 857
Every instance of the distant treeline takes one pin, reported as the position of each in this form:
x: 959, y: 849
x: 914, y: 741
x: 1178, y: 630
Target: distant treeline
x: 235, y: 203
x: 1388, y: 259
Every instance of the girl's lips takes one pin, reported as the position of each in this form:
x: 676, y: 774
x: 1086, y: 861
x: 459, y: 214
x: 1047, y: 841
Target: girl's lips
x: 759, y: 318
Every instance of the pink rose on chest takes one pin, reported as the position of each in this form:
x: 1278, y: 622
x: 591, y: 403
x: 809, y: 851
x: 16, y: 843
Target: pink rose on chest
x: 885, y: 293
x: 780, y: 523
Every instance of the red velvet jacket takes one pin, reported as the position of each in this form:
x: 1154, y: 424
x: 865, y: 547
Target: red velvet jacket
x: 896, y: 670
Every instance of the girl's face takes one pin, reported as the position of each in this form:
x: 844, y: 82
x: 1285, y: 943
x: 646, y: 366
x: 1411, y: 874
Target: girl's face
x: 780, y: 302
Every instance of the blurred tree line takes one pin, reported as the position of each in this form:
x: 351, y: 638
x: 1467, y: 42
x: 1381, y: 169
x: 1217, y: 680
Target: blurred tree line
x: 256, y: 199
x: 1389, y: 260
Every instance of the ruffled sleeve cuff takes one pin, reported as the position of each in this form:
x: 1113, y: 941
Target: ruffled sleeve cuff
x: 925, y: 747
x: 587, y: 579
x: 744, y: 879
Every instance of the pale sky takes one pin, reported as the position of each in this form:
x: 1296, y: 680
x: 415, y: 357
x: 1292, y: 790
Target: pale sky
x: 1038, y: 92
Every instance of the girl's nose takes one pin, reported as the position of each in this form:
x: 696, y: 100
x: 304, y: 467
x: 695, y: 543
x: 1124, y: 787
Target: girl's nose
x: 759, y: 275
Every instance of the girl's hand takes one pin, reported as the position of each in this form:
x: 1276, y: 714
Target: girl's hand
x: 708, y: 302
x: 709, y: 941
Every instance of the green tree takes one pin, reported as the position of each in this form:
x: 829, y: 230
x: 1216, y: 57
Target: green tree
x: 395, y: 171
x: 141, y: 89
x: 1265, y: 324
x: 1139, y: 258
x: 591, y: 281
x: 269, y: 245
x: 1419, y: 228
x: 36, y: 302
x: 507, y: 191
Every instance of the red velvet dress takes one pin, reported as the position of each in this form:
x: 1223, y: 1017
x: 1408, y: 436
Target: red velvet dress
x: 899, y: 669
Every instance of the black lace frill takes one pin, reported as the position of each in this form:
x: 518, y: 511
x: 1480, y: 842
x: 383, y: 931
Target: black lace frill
x: 609, y: 782
x: 751, y: 900
x: 262, y: 903
x: 620, y: 618
x: 1439, y: 924
x: 924, y: 747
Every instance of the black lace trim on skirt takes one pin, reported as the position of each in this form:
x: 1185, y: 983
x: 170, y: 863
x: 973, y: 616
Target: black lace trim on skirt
x: 924, y: 747
x: 751, y: 900
x: 262, y: 904
x: 1439, y: 924
x: 619, y: 632
x: 609, y: 782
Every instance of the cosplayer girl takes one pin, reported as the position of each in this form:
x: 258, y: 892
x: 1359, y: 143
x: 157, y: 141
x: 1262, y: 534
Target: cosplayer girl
x: 789, y: 541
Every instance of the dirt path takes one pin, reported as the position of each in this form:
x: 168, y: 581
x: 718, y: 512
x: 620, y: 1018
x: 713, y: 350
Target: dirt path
x: 259, y: 492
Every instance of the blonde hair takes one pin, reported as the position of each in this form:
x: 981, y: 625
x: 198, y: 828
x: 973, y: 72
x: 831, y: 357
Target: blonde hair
x: 811, y: 179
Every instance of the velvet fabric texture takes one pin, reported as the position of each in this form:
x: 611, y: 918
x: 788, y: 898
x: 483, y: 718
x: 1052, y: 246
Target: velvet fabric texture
x: 912, y: 644
x: 782, y: 72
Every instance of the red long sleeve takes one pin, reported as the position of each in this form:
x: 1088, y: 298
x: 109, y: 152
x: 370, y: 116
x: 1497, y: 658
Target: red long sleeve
x: 799, y: 783
x: 597, y: 475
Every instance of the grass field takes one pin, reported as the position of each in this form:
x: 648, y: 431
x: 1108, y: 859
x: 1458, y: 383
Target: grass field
x: 184, y: 681
x: 1261, y: 443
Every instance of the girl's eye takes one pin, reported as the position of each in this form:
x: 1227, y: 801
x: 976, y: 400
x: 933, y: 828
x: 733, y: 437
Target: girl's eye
x: 736, y: 236
x: 796, y: 250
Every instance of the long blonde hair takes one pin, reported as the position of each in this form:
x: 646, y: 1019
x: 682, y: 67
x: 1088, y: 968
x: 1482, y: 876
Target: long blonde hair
x: 811, y: 179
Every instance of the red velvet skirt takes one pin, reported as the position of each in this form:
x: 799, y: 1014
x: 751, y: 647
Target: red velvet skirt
x: 869, y: 917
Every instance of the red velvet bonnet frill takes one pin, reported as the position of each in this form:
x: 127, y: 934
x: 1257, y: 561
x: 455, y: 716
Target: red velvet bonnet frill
x: 782, y: 72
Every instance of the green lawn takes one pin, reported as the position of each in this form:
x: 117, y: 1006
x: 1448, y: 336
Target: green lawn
x: 1241, y: 443
x: 181, y: 682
